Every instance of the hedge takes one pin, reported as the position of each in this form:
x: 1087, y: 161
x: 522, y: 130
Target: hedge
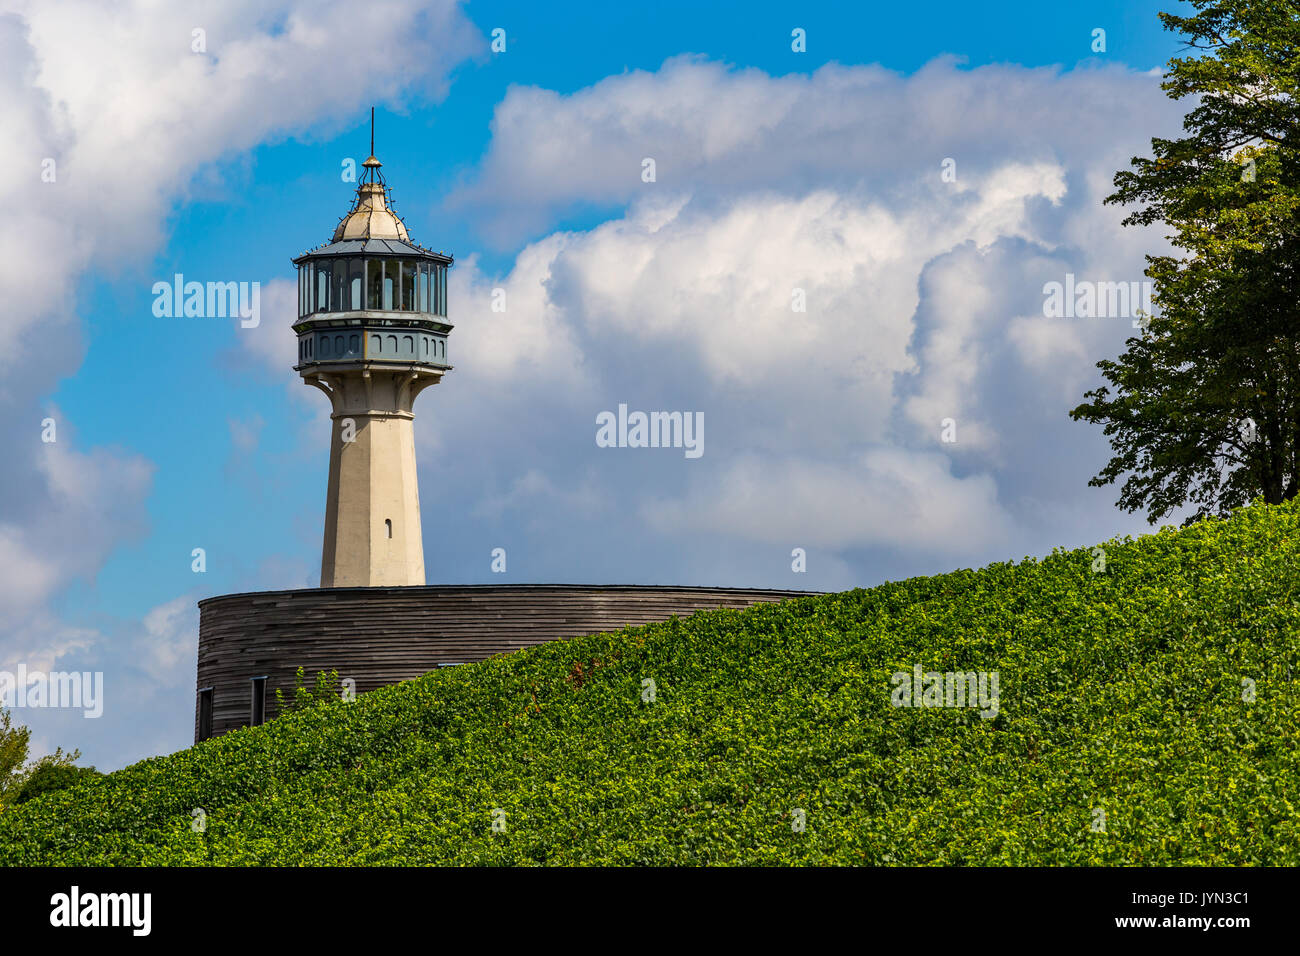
x: 1147, y: 714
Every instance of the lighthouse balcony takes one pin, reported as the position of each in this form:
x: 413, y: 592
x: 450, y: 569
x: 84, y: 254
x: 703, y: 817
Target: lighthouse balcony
x: 329, y: 346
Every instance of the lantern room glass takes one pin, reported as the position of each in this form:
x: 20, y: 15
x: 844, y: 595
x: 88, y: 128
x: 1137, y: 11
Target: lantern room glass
x: 356, y: 283
x: 391, y: 290
x: 338, y: 285
x: 374, y: 282
x: 408, y: 286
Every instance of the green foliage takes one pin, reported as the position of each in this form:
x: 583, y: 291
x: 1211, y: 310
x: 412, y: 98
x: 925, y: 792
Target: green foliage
x: 52, y: 774
x: 1122, y: 691
x: 13, y: 754
x: 304, y: 698
x: 1206, y: 403
x: 20, y: 781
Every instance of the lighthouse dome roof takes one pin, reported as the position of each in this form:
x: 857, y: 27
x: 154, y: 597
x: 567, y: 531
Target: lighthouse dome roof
x: 370, y: 216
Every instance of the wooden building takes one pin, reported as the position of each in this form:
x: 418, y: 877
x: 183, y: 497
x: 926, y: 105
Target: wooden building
x: 252, y: 644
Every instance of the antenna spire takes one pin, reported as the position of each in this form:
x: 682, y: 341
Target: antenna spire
x: 371, y: 164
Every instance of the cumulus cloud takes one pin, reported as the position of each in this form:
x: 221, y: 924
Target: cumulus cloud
x: 169, y: 640
x: 269, y: 347
x: 924, y: 297
x: 718, y: 130
x: 77, y: 507
x: 885, y: 496
x: 140, y: 102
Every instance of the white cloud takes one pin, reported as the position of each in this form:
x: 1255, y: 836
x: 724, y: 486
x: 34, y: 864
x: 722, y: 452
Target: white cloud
x: 716, y: 130
x: 140, y: 111
x: 924, y: 296
x: 528, y: 339
x: 74, y: 510
x: 271, y: 345
x: 887, y: 497
x: 166, y: 647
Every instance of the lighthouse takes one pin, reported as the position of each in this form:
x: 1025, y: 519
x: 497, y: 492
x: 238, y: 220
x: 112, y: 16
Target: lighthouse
x: 372, y: 335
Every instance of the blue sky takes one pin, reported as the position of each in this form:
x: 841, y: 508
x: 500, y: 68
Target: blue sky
x: 223, y: 164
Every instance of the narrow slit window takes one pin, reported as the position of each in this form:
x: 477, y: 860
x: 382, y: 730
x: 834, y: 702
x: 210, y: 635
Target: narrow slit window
x: 388, y: 524
x: 257, y: 711
x: 205, y: 713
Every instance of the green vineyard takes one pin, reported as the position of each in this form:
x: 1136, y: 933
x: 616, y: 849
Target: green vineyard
x: 1147, y: 713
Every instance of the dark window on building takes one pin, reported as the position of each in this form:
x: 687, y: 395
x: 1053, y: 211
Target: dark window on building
x: 374, y: 283
x: 257, y: 712
x: 205, y: 713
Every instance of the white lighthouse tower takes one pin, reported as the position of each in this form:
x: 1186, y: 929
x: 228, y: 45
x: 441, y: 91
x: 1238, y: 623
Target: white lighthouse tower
x: 372, y: 335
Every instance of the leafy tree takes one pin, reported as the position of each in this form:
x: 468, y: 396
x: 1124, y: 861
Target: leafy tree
x: 16, y: 774
x: 49, y: 775
x: 1206, y: 403
x: 13, y: 754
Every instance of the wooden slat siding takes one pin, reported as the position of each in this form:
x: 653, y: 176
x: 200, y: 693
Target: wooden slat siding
x: 380, y: 636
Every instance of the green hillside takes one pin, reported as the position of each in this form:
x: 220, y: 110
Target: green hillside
x: 1120, y: 691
